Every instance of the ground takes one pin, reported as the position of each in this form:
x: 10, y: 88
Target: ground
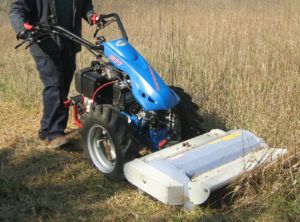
x: 38, y: 184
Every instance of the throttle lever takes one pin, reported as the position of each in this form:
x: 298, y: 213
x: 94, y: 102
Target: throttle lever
x: 100, y: 24
x: 20, y: 44
x: 96, y: 32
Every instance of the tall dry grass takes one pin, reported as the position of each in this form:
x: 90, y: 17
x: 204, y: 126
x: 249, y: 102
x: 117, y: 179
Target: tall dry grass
x: 239, y: 59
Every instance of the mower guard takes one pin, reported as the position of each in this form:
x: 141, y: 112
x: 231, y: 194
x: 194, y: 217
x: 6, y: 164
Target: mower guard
x: 186, y: 173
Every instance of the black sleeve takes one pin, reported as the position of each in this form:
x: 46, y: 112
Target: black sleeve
x: 88, y: 10
x: 19, y: 13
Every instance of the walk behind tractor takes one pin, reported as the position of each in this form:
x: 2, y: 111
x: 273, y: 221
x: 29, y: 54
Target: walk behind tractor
x: 124, y: 106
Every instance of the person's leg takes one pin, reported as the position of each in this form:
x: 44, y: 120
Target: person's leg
x: 69, y: 66
x: 50, y: 70
x: 69, y: 59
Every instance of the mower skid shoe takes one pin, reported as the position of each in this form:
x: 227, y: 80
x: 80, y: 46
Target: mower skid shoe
x: 186, y: 173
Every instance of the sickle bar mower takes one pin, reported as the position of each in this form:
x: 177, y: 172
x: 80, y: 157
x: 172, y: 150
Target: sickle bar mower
x: 187, y: 173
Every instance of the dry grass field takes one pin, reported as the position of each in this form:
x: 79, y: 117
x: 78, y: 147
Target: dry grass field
x: 240, y: 61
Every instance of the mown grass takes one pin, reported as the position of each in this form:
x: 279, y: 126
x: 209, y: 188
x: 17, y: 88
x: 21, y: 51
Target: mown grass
x: 240, y: 60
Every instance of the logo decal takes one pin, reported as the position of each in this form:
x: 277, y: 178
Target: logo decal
x: 121, y: 43
x: 115, y: 60
x: 153, y: 77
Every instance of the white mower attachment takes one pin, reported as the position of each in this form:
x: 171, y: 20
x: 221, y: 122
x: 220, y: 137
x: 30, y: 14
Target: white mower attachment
x: 186, y: 173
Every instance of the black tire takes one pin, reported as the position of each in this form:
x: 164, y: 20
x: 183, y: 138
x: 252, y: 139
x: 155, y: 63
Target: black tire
x: 187, y: 112
x: 105, y: 128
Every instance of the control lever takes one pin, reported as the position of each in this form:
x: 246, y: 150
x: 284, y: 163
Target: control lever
x: 100, y: 24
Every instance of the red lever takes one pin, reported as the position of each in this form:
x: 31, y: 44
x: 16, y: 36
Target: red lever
x: 162, y: 143
x: 27, y: 26
x: 94, y: 19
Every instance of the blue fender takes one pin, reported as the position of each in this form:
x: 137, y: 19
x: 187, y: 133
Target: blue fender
x: 147, y: 87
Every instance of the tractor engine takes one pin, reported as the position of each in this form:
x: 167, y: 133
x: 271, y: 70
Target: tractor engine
x: 101, y: 84
x: 153, y: 129
x: 88, y: 80
x: 115, y: 91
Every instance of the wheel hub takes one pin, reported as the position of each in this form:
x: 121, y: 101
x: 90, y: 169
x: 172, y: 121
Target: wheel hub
x: 101, y: 148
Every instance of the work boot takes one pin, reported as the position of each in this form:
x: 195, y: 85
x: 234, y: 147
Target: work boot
x: 58, y: 142
x: 42, y: 135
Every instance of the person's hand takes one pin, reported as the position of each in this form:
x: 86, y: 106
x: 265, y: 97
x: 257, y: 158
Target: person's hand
x: 23, y: 33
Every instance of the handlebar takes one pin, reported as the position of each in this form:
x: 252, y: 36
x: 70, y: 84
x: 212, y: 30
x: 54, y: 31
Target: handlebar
x: 63, y: 32
x: 117, y: 19
x: 43, y: 31
x: 39, y: 32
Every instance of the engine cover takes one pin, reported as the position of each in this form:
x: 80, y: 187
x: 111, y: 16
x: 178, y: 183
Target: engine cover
x: 146, y: 85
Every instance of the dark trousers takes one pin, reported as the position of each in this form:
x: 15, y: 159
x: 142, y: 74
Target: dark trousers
x: 56, y: 73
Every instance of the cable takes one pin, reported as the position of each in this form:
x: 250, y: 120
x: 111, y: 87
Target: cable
x: 100, y: 88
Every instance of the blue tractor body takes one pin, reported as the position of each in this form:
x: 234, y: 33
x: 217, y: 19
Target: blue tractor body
x: 148, y: 88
